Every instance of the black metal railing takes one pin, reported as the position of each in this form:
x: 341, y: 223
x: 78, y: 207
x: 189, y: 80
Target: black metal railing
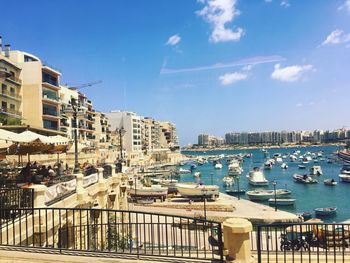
x: 115, y: 231
x: 12, y: 199
x: 301, y: 242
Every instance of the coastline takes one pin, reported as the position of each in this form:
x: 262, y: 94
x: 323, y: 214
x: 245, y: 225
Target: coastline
x: 252, y: 147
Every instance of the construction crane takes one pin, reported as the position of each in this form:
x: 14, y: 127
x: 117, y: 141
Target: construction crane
x: 85, y: 85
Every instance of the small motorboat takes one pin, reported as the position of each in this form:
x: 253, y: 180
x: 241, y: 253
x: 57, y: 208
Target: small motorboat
x: 281, y: 201
x: 228, y: 181
x: 263, y: 195
x: 267, y: 165
x: 328, y: 211
x: 192, y: 190
x: 306, y: 216
x: 197, y: 174
x: 330, y: 182
x: 218, y: 166
x: 305, y: 179
x: 284, y: 166
x: 345, y: 173
x: 316, y: 170
x: 184, y: 171
x: 300, y: 166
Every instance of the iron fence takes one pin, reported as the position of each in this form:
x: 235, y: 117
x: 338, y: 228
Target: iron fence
x: 13, y: 199
x: 115, y: 231
x: 301, y: 242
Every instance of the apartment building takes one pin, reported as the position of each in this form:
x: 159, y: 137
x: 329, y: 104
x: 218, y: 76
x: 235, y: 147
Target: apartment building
x: 168, y: 135
x: 40, y: 91
x: 10, y: 83
x: 102, y: 131
x: 131, y: 123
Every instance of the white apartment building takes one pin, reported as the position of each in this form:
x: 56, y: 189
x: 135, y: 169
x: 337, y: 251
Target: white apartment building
x: 132, y: 124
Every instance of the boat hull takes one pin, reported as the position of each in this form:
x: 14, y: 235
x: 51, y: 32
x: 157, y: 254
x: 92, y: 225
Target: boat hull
x: 281, y: 202
x: 197, y: 191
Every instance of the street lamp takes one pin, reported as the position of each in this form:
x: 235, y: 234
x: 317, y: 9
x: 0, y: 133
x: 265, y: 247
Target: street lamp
x: 73, y: 111
x: 274, y: 190
x: 205, y: 192
x: 121, y: 131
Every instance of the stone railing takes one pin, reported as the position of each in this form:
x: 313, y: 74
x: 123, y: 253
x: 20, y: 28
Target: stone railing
x: 60, y: 190
x: 90, y: 179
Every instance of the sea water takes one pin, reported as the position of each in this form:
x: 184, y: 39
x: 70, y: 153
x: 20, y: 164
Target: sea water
x: 308, y: 196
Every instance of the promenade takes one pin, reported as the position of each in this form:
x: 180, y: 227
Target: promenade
x: 224, y: 207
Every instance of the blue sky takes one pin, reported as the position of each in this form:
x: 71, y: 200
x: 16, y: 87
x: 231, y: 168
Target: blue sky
x: 209, y: 66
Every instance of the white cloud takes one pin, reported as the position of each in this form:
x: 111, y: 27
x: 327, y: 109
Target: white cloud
x: 218, y: 13
x: 336, y: 37
x: 345, y: 5
x: 242, y: 62
x: 285, y: 3
x: 291, y: 73
x: 173, y: 40
x: 247, y: 68
x: 231, y: 78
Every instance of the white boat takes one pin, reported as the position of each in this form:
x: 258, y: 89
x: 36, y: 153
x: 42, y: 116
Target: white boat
x: 256, y: 177
x: 278, y: 159
x: 184, y: 171
x: 234, y: 168
x: 284, y: 166
x: 281, y: 202
x: 330, y: 182
x: 316, y: 170
x: 197, y: 174
x: 163, y: 181
x: 293, y: 158
x: 228, y: 181
x: 268, y: 165
x: 218, y: 166
x: 305, y: 179
x: 345, y: 173
x: 193, y: 190
x: 263, y: 195
x: 154, y: 190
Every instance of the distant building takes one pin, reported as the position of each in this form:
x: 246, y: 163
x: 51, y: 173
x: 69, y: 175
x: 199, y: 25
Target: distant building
x: 203, y: 139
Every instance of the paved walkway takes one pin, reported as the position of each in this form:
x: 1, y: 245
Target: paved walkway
x: 224, y: 207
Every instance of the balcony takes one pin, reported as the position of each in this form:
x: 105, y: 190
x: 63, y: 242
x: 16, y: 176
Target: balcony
x: 10, y: 95
x: 14, y: 80
x: 51, y: 113
x: 10, y: 112
x: 50, y: 98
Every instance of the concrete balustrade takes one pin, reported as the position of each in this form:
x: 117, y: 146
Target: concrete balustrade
x: 39, y: 195
x: 237, y: 241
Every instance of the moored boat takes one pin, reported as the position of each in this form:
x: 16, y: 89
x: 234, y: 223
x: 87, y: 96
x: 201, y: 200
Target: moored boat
x: 235, y: 192
x: 301, y: 166
x: 281, y: 201
x: 256, y: 177
x: 234, y: 168
x: 330, y: 182
x: 284, y: 166
x: 305, y: 179
x: 345, y: 173
x: 323, y: 212
x: 263, y: 195
x: 193, y: 190
x: 228, y: 181
x: 184, y: 171
x: 316, y: 170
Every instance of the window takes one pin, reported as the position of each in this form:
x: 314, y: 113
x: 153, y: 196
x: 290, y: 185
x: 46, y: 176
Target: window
x: 29, y: 59
x: 12, y: 107
x: 50, y: 79
x: 3, y: 88
x: 12, y: 91
x: 52, y: 125
x: 4, y: 105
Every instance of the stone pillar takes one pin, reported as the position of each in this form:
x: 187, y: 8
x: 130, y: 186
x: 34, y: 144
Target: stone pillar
x: 113, y: 170
x: 39, y: 195
x: 100, y: 174
x: 237, y: 240
x: 82, y: 195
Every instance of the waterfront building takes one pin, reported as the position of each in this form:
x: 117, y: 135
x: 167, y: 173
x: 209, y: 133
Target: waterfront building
x: 66, y: 96
x: 203, y: 139
x: 131, y: 123
x: 11, y: 99
x: 40, y: 91
x: 102, y: 130
x: 168, y: 136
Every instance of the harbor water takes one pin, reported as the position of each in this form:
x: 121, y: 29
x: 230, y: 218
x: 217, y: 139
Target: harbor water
x: 308, y: 196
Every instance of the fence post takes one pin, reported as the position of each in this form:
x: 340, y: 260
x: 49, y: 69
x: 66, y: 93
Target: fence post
x: 39, y: 195
x: 100, y: 175
x: 237, y: 240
